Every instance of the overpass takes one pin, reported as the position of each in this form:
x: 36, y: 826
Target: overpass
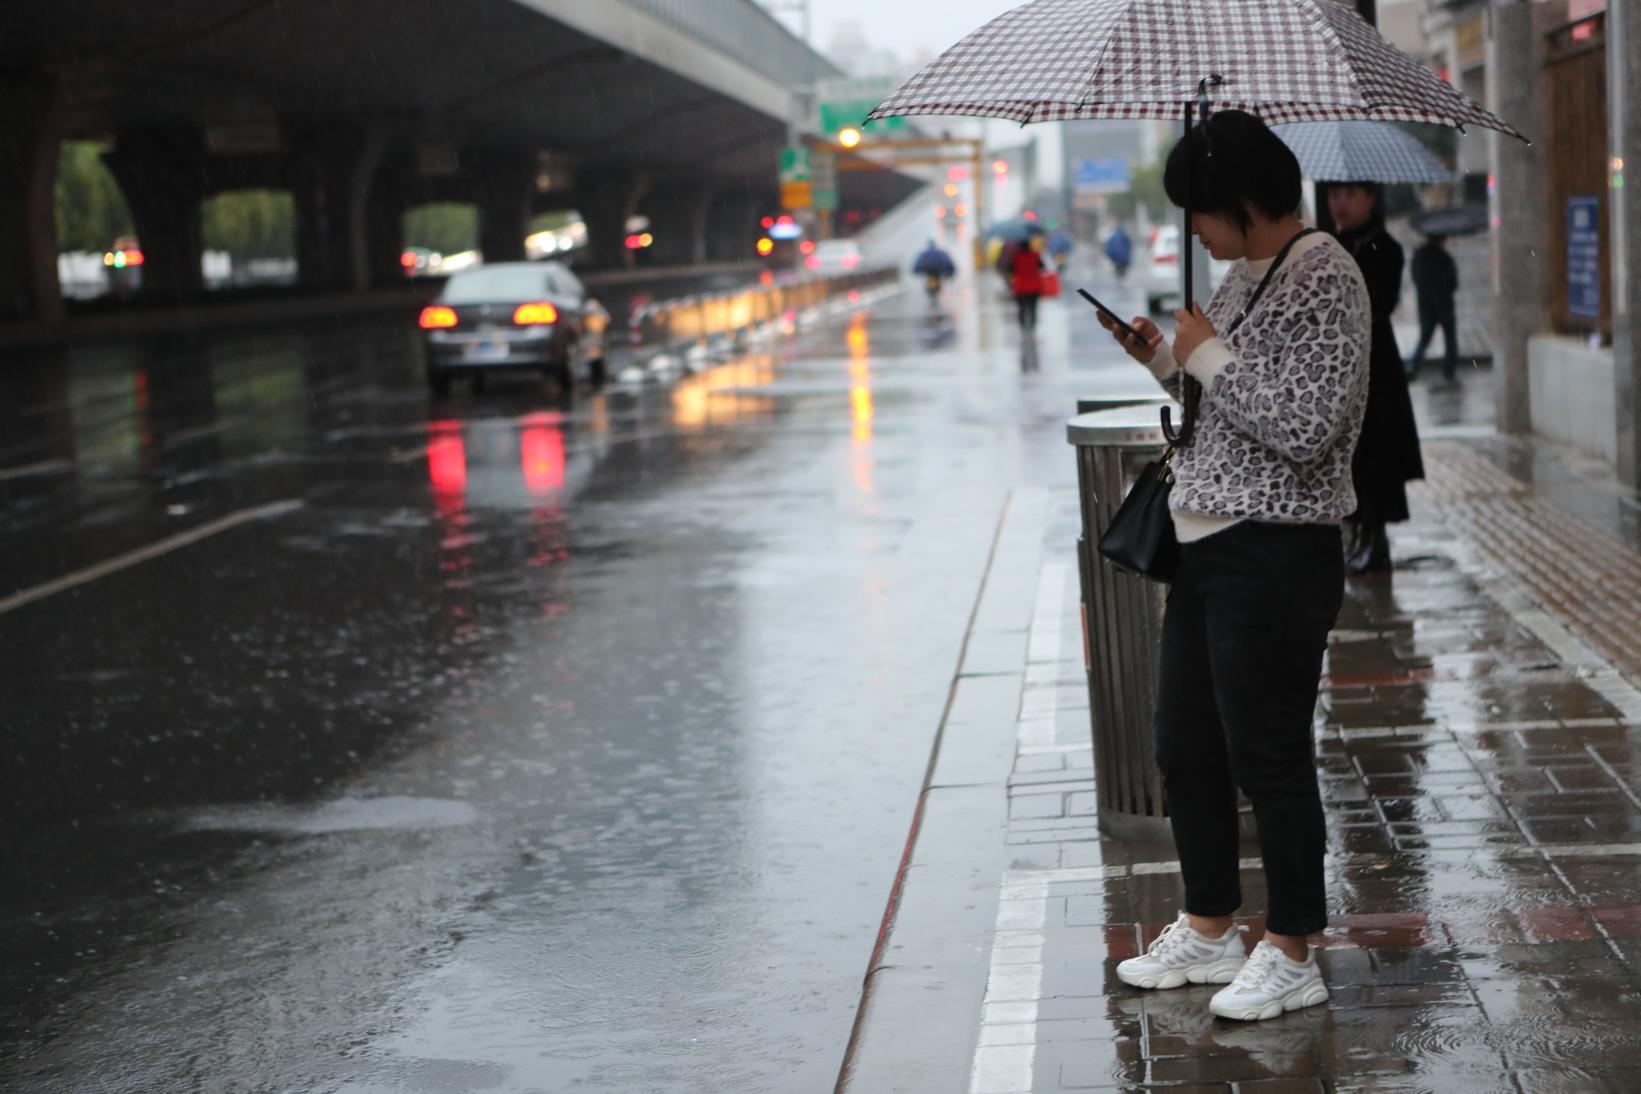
x: 673, y: 109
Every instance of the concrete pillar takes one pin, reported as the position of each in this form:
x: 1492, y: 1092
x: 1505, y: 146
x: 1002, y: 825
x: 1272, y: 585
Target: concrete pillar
x: 605, y: 202
x: 161, y: 172
x: 1624, y: 55
x: 31, y: 133
x: 1520, y: 248
x: 332, y: 171
x: 385, y: 226
x: 503, y: 189
x: 732, y: 221
x: 678, y: 219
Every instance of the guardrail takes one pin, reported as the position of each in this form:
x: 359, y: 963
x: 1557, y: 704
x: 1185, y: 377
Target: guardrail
x: 699, y: 319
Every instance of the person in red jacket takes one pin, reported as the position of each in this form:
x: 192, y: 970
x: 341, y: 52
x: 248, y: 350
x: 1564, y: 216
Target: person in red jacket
x: 1027, y: 282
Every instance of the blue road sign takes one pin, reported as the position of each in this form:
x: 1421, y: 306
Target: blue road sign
x: 1584, y: 257
x: 1100, y: 176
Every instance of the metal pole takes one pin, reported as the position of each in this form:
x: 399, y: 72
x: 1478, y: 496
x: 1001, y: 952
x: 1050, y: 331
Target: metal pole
x: 976, y: 159
x: 1624, y: 229
x: 1185, y: 227
x: 1518, y: 211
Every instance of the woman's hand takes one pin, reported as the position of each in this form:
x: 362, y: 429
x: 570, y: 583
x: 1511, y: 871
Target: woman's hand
x: 1193, y: 330
x: 1141, y: 349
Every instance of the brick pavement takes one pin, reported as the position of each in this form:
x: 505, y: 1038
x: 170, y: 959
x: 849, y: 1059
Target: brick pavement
x: 1480, y: 747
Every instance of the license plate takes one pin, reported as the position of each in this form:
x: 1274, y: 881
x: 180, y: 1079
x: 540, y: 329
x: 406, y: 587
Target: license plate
x: 488, y: 349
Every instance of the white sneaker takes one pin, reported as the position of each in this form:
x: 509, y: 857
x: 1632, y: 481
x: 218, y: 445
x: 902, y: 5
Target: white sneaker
x: 1179, y: 954
x: 1269, y: 984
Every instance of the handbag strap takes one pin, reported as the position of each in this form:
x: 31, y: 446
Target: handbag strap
x: 1281, y: 256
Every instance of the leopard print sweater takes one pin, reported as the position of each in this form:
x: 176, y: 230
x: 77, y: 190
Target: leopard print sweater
x: 1279, y: 419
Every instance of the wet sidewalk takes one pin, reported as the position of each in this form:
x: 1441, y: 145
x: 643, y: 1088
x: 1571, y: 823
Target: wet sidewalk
x: 1479, y: 740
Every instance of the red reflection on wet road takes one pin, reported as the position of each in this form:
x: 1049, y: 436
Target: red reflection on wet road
x: 447, y: 459
x: 541, y: 455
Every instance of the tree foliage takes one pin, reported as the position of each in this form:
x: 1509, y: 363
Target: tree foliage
x: 90, y: 210
x: 1144, y: 188
x: 250, y: 224
x: 446, y: 227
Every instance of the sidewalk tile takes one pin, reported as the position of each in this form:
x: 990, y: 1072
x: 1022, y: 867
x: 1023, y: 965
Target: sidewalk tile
x: 1484, y: 825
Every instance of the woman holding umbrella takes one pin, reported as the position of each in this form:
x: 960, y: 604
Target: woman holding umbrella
x: 1281, y: 354
x: 1387, y: 457
x: 1279, y: 388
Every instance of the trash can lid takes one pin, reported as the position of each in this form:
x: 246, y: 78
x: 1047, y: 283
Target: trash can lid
x: 1125, y: 427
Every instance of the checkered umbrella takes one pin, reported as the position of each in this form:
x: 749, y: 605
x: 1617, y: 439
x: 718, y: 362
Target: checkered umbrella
x: 1361, y: 152
x: 1284, y: 60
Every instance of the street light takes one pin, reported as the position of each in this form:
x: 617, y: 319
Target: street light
x: 849, y: 137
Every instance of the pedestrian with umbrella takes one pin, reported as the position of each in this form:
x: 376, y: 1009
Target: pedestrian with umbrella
x: 1256, y: 503
x: 1026, y: 281
x: 1354, y: 158
x: 1387, y: 455
x: 1259, y: 571
x: 934, y: 265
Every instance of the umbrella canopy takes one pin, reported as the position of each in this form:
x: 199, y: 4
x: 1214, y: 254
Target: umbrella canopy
x: 1361, y: 152
x: 1457, y: 220
x: 1284, y: 60
x: 1016, y: 229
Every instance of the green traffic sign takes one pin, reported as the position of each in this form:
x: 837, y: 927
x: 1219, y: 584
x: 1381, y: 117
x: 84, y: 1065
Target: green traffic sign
x: 852, y: 112
x: 794, y: 164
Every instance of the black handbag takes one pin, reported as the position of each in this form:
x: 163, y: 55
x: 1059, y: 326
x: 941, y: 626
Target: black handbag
x: 1140, y: 537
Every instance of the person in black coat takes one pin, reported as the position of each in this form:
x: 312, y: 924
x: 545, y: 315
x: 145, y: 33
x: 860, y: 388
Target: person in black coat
x: 1387, y: 455
x: 1435, y: 280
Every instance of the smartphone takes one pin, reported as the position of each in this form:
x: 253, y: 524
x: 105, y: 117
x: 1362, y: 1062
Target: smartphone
x: 1124, y: 327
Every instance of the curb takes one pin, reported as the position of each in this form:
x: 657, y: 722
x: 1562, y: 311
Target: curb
x: 918, y: 1023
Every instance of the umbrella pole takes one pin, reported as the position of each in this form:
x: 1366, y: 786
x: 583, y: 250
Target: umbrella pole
x: 1185, y: 227
x: 1182, y: 436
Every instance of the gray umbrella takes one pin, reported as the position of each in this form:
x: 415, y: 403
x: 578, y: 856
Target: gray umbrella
x: 1351, y: 151
x: 1457, y: 220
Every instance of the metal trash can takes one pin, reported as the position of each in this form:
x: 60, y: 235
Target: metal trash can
x: 1122, y: 621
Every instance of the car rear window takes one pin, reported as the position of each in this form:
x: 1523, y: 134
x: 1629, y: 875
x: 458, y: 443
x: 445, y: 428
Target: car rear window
x: 497, y: 284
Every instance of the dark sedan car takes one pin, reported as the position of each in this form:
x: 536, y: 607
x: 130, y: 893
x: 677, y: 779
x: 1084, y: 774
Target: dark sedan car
x: 513, y: 315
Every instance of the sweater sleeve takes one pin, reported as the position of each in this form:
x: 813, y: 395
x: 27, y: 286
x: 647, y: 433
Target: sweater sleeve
x: 1166, y: 371
x: 1296, y: 386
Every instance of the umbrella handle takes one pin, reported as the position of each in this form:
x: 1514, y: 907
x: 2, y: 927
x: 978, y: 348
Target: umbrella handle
x: 1191, y: 392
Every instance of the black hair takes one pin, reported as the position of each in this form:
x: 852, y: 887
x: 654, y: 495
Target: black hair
x: 1378, y: 192
x: 1237, y: 159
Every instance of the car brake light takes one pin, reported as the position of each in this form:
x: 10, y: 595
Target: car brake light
x: 535, y: 315
x: 812, y: 262
x: 1165, y: 260
x: 437, y: 317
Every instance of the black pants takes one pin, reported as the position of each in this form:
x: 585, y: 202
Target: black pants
x: 1431, y: 316
x: 1242, y: 642
x: 1026, y: 303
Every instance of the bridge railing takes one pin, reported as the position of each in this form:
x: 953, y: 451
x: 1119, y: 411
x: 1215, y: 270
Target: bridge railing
x: 746, y: 32
x: 713, y: 317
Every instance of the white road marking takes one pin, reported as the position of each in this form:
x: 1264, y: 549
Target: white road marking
x: 1006, y: 1057
x: 40, y: 468
x: 144, y: 554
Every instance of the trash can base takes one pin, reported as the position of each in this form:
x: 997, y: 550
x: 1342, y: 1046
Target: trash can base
x: 1127, y: 826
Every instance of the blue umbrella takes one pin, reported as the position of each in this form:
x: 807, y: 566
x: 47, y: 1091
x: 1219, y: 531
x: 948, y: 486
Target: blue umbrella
x: 1360, y: 152
x: 1016, y: 229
